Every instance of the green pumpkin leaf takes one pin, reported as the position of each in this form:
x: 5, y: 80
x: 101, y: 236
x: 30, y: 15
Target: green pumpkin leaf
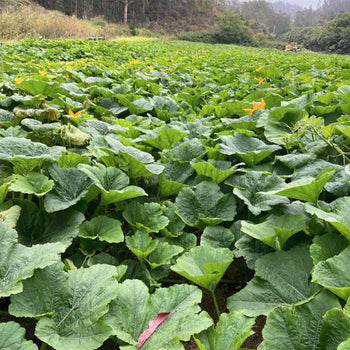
x: 229, y: 334
x: 36, y: 227
x: 139, y: 163
x: 333, y: 274
x: 306, y: 189
x: 345, y: 345
x: 206, y: 204
x: 275, y: 231
x: 204, y: 265
x: 327, y: 246
x: 72, y: 160
x: 164, y: 138
x: 26, y: 154
x: 102, y: 228
x: 18, y: 262
x: 141, y: 244
x: 335, y: 329
x: 251, y: 186
x: 10, y: 216
x: 217, y: 237
x: 147, y: 216
x: 281, y: 278
x: 251, y: 150
x: 70, y: 305
x: 211, y: 169
x: 337, y: 215
x: 12, y: 337
x: 71, y: 185
x: 298, y: 327
x: 113, y: 184
x: 163, y: 254
x: 130, y: 313
x: 32, y: 183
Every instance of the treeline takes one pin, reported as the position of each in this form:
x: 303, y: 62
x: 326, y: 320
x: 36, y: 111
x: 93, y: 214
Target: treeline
x: 334, y: 36
x: 135, y: 11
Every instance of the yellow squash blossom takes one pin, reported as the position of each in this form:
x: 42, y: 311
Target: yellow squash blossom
x: 42, y: 72
x: 75, y: 115
x: 18, y: 80
x: 151, y: 68
x: 260, y: 80
x: 136, y: 61
x: 70, y: 67
x: 256, y: 106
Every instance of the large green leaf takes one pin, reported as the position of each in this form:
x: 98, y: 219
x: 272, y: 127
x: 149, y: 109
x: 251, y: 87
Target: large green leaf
x: 163, y: 254
x: 204, y: 265
x: 71, y: 185
x: 335, y: 329
x: 18, y: 262
x: 251, y: 150
x: 37, y: 227
x: 298, y: 327
x: 12, y: 337
x: 307, y: 189
x: 217, y: 171
x: 139, y: 163
x: 27, y: 154
x: 147, y: 216
x: 334, y: 274
x: 206, y: 204
x: 327, y: 246
x: 217, y: 237
x: 130, y: 313
x: 229, y: 334
x: 113, y: 183
x: 141, y: 244
x: 337, y: 214
x: 281, y: 278
x: 10, y: 216
x: 32, y: 183
x: 70, y: 305
x: 164, y: 138
x: 103, y: 228
x: 249, y: 188
x: 275, y: 231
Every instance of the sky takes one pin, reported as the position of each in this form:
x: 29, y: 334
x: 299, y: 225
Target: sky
x: 303, y: 3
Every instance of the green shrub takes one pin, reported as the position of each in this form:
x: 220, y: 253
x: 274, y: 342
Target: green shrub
x: 233, y: 29
x: 335, y: 36
x: 200, y: 36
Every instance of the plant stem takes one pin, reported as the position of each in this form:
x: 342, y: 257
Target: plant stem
x: 331, y: 144
x: 215, y: 303
x: 5, y: 314
x: 43, y: 346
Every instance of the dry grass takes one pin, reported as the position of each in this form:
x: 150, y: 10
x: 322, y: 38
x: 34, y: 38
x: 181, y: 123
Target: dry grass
x: 28, y: 20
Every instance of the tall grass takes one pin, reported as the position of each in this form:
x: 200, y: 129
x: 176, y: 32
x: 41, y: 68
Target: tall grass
x: 27, y: 20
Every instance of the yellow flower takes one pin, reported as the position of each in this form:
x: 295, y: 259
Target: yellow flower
x: 151, y: 68
x: 136, y: 61
x: 70, y: 67
x: 18, y: 80
x: 260, y: 80
x: 67, y: 76
x: 259, y: 69
x: 42, y: 72
x: 256, y: 107
x: 75, y: 115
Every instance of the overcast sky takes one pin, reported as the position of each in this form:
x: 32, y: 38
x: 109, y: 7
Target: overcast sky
x: 303, y: 3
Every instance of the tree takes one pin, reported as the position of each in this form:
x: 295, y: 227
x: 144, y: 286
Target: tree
x: 233, y: 29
